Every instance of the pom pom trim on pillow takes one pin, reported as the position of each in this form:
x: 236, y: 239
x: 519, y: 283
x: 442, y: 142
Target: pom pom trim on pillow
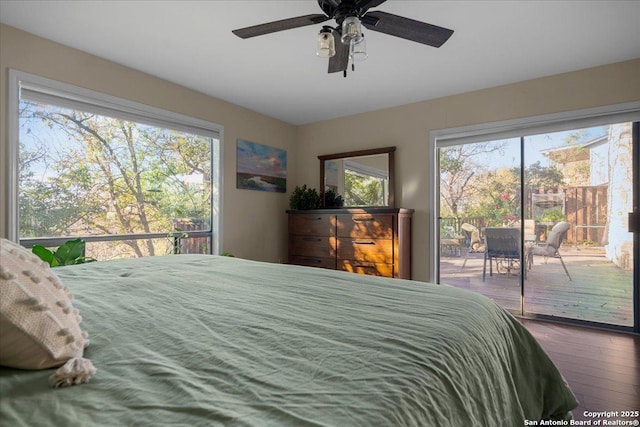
x: 39, y: 328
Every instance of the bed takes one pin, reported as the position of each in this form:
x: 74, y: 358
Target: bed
x: 200, y: 340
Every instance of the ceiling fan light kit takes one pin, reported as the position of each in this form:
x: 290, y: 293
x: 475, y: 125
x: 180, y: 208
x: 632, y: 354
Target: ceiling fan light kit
x: 326, y: 43
x: 358, y: 51
x: 350, y: 16
x: 351, y: 30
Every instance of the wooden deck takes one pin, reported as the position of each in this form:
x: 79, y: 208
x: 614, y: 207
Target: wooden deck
x: 600, y: 291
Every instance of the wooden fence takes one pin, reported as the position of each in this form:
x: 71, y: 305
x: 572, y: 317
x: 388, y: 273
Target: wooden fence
x: 189, y: 244
x: 586, y: 210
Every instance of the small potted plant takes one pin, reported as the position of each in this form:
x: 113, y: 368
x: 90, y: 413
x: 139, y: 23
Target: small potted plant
x: 332, y: 199
x: 70, y: 253
x: 304, y: 198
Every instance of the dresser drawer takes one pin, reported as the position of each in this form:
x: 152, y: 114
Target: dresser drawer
x: 329, y: 263
x: 371, y: 250
x: 310, y: 224
x: 312, y: 246
x: 376, y: 226
x: 370, y: 268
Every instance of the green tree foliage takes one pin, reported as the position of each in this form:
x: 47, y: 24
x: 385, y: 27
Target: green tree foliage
x: 499, y: 202
x: 541, y: 177
x: 362, y: 190
x: 470, y: 188
x: 458, y: 166
x: 86, y: 174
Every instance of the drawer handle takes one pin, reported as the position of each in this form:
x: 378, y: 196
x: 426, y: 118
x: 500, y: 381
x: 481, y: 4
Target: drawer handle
x: 364, y: 265
x: 306, y: 218
x: 365, y: 219
x: 311, y: 239
x: 363, y: 242
x: 316, y: 260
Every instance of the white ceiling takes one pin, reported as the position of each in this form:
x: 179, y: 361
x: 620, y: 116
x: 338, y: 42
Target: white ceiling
x: 190, y: 43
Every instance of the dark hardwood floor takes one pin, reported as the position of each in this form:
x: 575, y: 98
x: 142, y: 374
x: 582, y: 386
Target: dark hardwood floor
x: 601, y: 367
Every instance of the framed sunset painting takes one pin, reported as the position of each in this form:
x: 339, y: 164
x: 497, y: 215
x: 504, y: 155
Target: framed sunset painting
x: 260, y: 167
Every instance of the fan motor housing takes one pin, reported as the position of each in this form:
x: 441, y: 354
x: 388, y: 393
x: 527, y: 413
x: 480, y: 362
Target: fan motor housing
x: 344, y: 9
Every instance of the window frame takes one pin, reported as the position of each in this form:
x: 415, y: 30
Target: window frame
x: 88, y: 100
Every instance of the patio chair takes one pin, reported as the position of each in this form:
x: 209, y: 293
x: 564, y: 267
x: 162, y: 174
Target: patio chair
x: 450, y: 241
x: 503, y: 247
x: 473, y: 241
x: 550, y: 248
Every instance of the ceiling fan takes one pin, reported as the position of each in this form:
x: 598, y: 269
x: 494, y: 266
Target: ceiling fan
x: 350, y: 16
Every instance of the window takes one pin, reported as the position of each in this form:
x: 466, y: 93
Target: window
x: 129, y: 179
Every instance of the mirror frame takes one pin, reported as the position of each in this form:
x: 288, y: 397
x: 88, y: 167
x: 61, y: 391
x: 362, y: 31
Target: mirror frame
x: 390, y: 167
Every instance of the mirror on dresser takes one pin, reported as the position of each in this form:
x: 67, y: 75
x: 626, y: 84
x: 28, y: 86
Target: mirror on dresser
x: 363, y: 178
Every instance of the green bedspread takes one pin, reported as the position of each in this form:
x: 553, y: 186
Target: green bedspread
x: 197, y: 340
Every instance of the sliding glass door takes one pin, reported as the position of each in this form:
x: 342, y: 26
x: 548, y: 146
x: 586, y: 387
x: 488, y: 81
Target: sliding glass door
x: 539, y: 223
x: 586, y: 272
x: 479, y: 189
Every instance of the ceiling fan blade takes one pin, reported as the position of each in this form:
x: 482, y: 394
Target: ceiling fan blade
x: 284, y: 24
x: 406, y: 28
x: 339, y: 61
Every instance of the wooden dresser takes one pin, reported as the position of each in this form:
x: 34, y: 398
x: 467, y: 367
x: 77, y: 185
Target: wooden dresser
x: 373, y: 241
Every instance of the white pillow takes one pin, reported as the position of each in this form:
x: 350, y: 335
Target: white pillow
x: 39, y: 328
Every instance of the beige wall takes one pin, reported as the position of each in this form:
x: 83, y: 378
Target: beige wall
x: 407, y: 127
x: 254, y: 223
